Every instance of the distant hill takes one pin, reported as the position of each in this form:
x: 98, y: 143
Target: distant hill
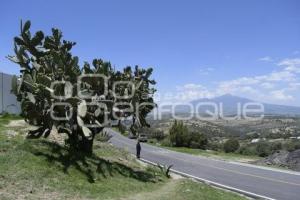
x: 231, y: 102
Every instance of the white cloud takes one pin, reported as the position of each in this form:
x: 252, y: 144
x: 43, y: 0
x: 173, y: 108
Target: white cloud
x: 192, y: 91
x: 185, y: 93
x: 267, y: 85
x: 266, y: 59
x: 206, y: 71
x: 276, y: 87
x: 294, y: 86
x: 289, y: 74
x: 279, y: 86
x: 281, y: 95
x: 190, y: 86
x: 291, y: 65
x: 286, y: 76
x: 248, y: 89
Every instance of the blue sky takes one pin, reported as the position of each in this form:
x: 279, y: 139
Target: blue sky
x: 197, y: 48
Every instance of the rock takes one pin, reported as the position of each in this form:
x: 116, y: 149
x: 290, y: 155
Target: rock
x: 293, y: 160
x: 16, y: 123
x: 11, y: 133
x: 286, y: 159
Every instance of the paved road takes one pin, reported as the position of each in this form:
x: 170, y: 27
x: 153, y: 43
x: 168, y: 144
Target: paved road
x: 274, y: 184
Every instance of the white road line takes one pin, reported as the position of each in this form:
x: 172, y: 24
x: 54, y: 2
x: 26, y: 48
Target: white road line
x: 265, y: 168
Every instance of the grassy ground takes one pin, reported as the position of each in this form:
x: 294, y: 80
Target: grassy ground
x: 184, y: 189
x: 42, y: 169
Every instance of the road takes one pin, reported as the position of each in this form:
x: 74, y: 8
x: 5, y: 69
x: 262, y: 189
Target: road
x: 269, y: 183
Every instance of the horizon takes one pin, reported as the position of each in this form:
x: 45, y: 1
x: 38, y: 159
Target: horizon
x: 242, y: 97
x: 247, y: 49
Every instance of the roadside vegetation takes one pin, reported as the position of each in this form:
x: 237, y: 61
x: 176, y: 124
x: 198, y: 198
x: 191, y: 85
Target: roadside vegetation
x: 46, y: 169
x: 182, y: 138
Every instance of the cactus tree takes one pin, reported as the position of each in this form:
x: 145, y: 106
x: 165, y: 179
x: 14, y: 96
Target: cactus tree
x: 54, y: 91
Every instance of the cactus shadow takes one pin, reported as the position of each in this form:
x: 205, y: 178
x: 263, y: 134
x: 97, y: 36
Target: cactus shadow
x: 91, y: 166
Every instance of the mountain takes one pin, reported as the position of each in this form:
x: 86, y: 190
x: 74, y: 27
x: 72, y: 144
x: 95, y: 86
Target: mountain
x: 229, y: 104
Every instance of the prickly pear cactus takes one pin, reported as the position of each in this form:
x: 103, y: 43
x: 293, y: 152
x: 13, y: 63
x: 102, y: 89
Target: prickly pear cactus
x: 55, y: 91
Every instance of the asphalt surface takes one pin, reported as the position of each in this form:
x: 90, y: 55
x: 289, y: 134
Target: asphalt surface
x: 274, y: 184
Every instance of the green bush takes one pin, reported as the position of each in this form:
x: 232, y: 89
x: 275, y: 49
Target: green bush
x: 158, y: 134
x: 215, y: 146
x: 287, y: 135
x: 231, y: 145
x: 152, y: 133
x: 197, y: 140
x: 275, y: 146
x: 263, y: 149
x: 152, y: 141
x: 247, y: 150
x: 292, y: 145
x: 180, y: 136
x: 166, y: 142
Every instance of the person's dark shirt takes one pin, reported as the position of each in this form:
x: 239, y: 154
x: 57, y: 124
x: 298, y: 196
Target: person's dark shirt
x: 138, y: 146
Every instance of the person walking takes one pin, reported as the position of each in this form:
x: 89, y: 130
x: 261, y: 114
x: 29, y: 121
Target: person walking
x: 138, y: 149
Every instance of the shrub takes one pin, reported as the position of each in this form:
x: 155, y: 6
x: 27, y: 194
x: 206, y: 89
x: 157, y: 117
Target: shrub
x: 166, y: 142
x: 158, y: 134
x: 197, y: 140
x: 179, y: 134
x: 292, y: 145
x: 247, y: 150
x: 152, y: 141
x: 231, y: 145
x: 275, y: 146
x: 214, y: 145
x: 287, y: 135
x: 152, y: 133
x: 263, y: 149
